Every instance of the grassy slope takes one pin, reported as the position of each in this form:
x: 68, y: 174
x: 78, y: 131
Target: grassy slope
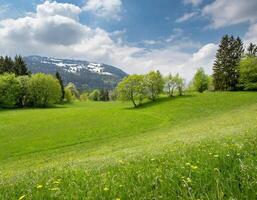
x: 96, y: 136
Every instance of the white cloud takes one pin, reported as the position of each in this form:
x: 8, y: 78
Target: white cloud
x: 48, y: 9
x: 193, y: 2
x: 54, y: 30
x: 230, y: 12
x: 186, y: 17
x: 251, y: 34
x: 104, y: 8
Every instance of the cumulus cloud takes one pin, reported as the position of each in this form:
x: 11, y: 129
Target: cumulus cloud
x: 224, y: 13
x: 104, y: 8
x: 55, y: 30
x: 62, y: 9
x: 251, y: 34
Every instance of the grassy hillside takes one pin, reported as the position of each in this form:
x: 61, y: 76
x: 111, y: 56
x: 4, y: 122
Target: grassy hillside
x: 200, y: 146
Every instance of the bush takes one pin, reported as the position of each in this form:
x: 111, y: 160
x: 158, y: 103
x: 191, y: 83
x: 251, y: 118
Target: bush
x: 23, y: 98
x: 73, y: 90
x: 68, y: 95
x: 113, y: 95
x: 94, y: 96
x: 9, y: 90
x: 44, y: 90
x: 248, y: 73
x: 84, y: 96
x: 201, y: 81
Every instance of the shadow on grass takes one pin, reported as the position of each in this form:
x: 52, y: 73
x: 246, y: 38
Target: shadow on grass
x: 59, y: 106
x: 160, y: 100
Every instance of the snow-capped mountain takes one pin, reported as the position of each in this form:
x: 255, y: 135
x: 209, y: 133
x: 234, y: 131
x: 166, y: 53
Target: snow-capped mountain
x: 84, y: 74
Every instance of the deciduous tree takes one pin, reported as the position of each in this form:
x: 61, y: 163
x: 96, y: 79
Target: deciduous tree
x: 132, y: 88
x: 200, y: 80
x: 44, y: 90
x: 154, y: 84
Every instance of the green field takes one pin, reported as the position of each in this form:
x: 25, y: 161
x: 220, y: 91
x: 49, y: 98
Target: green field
x: 198, y: 146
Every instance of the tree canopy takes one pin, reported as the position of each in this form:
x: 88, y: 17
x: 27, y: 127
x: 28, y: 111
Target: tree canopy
x: 226, y: 66
x: 132, y: 88
x: 200, y: 80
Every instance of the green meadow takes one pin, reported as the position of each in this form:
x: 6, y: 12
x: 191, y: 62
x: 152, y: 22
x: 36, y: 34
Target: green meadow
x: 197, y: 146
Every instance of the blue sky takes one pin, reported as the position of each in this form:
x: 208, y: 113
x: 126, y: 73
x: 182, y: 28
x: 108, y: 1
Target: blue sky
x: 136, y: 36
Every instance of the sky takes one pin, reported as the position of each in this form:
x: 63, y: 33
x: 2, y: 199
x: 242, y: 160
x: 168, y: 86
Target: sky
x: 134, y: 35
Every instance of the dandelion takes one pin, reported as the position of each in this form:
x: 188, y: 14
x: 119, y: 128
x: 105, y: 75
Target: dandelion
x: 39, y: 186
x: 54, y: 189
x: 216, y: 156
x: 152, y: 159
x: 228, y: 155
x: 56, y: 182
x: 22, y: 197
x: 117, y: 198
x: 194, y: 167
x: 106, y: 189
x: 189, y: 180
x: 188, y: 164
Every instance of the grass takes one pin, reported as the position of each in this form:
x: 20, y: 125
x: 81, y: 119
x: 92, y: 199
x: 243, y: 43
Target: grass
x: 200, y: 146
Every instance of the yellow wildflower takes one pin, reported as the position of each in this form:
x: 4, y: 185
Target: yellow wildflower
x: 106, y: 189
x: 56, y: 182
x: 22, y: 197
x: 216, y: 156
x: 54, y: 189
x: 189, y: 180
x: 117, y: 198
x: 188, y: 164
x: 39, y: 186
x: 194, y: 167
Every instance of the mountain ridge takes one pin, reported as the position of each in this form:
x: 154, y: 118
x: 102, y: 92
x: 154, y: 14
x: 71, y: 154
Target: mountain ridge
x: 84, y: 74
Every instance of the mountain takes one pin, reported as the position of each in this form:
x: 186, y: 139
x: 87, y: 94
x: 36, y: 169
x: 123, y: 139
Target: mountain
x: 84, y: 74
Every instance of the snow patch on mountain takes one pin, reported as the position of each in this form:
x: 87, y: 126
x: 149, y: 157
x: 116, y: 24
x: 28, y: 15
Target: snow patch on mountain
x: 76, y: 67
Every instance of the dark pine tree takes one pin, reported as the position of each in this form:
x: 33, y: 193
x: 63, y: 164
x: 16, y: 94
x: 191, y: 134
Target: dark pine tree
x: 226, y: 66
x: 104, y: 95
x: 7, y: 65
x: 58, y: 76
x: 20, y: 68
x: 1, y: 64
x: 252, y: 50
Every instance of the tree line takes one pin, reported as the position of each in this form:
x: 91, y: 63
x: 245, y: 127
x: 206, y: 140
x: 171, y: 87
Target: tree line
x: 20, y: 88
x: 136, y: 88
x: 234, y: 69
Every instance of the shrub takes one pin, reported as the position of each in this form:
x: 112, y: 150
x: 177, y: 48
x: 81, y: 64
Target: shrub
x: 9, y: 90
x: 248, y: 73
x: 23, y: 99
x: 200, y: 80
x: 94, y: 96
x: 84, y: 96
x: 68, y: 95
x: 73, y: 90
x: 44, y: 90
